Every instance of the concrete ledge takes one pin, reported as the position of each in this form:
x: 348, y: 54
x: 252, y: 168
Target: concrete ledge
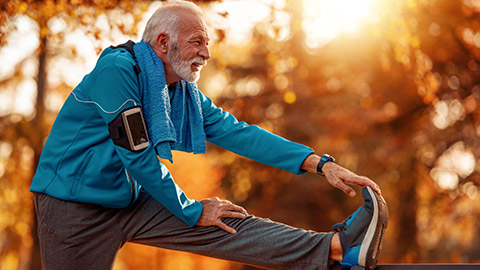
x: 430, y: 266
x: 421, y: 266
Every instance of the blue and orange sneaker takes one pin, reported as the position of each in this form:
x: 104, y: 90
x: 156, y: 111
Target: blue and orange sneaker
x: 361, y: 234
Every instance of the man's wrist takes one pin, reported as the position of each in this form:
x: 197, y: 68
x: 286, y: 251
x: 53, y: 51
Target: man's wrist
x: 310, y: 163
x: 324, y: 159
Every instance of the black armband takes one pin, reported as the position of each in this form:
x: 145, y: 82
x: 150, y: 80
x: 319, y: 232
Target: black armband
x: 128, y: 130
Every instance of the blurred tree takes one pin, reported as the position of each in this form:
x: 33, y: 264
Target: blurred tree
x: 448, y: 146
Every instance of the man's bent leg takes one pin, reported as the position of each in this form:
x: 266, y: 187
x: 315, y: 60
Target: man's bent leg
x: 76, y: 235
x: 258, y: 241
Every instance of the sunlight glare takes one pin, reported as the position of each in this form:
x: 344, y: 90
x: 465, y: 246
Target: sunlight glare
x: 447, y: 113
x: 446, y: 180
x: 25, y: 97
x: 23, y: 41
x: 324, y: 20
x: 242, y: 17
x: 456, y: 162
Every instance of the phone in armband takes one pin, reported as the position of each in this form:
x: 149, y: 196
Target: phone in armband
x: 128, y: 130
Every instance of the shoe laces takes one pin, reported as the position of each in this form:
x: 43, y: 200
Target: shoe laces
x: 342, y: 226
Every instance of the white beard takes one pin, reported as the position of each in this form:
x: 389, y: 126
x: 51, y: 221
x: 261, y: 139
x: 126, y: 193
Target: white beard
x: 183, y: 68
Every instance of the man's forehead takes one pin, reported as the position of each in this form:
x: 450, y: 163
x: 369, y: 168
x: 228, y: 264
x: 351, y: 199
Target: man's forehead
x: 191, y: 23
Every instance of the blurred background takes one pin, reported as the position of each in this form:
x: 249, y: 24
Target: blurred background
x: 389, y: 88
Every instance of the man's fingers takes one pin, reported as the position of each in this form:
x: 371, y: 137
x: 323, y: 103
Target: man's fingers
x: 341, y: 178
x: 363, y: 181
x: 233, y: 211
x: 376, y: 188
x: 224, y: 227
x: 347, y: 189
x: 237, y: 208
x: 340, y: 184
x: 215, y: 209
x: 229, y: 206
x: 231, y: 214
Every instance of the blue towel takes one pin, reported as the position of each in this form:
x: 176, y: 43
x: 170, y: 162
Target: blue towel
x: 171, y: 126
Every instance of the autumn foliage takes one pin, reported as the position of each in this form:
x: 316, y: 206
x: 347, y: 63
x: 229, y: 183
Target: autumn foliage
x: 397, y: 101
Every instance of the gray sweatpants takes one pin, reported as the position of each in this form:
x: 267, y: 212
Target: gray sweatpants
x: 87, y: 236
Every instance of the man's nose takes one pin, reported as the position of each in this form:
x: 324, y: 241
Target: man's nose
x: 204, y: 52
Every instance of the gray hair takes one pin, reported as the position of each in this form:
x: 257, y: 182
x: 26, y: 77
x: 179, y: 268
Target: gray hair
x: 166, y: 19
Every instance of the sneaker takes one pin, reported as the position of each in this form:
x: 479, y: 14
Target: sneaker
x: 361, y: 234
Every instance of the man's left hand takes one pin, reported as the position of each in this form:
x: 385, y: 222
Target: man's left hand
x: 215, y: 209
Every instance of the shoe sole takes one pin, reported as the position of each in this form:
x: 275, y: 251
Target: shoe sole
x: 372, y: 243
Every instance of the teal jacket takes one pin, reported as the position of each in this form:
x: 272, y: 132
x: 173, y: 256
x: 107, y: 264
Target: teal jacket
x: 80, y: 162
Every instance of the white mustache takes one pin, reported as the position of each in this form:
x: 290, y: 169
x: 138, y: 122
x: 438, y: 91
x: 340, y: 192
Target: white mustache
x: 199, y: 61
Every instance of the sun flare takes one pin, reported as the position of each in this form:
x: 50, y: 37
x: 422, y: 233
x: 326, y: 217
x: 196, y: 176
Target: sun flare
x: 324, y: 20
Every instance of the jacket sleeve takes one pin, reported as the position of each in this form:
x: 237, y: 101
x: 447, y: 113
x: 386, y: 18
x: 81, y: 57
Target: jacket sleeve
x: 251, y: 141
x: 115, y: 84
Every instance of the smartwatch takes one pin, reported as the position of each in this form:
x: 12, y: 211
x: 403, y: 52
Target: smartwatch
x: 324, y: 159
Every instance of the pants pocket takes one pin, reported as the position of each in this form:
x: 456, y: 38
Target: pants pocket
x: 43, y: 205
x: 46, y: 225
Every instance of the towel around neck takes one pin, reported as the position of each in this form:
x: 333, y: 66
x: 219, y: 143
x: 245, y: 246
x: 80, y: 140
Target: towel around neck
x: 175, y: 124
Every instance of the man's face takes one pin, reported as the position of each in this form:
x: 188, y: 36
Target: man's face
x: 189, y: 53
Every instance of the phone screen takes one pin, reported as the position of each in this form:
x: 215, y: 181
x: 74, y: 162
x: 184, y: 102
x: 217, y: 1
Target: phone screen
x: 137, y: 128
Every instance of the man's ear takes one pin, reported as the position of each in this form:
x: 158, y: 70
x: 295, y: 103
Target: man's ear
x: 163, y: 42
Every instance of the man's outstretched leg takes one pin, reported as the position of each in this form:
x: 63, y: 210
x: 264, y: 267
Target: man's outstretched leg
x: 82, y: 236
x: 258, y: 241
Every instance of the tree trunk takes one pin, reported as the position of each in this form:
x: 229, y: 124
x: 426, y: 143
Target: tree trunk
x: 38, y: 125
x: 407, y: 250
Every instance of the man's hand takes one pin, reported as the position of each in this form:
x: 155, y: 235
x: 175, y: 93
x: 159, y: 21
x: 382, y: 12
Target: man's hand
x: 215, y: 209
x: 338, y: 176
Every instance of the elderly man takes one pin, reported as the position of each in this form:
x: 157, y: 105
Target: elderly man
x: 100, y: 184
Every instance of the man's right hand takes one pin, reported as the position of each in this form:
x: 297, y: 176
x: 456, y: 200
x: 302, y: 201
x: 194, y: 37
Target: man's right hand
x: 215, y: 209
x: 338, y: 176
x: 341, y: 178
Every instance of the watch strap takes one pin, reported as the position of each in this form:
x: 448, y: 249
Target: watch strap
x: 324, y: 159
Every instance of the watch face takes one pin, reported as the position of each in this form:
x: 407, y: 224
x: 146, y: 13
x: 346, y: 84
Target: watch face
x: 327, y: 157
